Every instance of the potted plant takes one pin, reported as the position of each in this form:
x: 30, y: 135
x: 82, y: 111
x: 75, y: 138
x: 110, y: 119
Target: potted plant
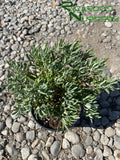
x: 55, y: 84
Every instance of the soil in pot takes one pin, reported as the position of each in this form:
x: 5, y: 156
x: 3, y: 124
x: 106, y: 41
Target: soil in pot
x: 50, y: 123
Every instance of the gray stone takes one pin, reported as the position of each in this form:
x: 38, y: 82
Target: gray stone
x: 67, y: 28
x: 23, y: 143
x: 75, y: 25
x: 89, y: 150
x: 32, y: 157
x: 109, y: 132
x: 72, y: 137
x: 25, y: 153
x: 9, y: 122
x: 30, y: 135
x: 108, y: 46
x: 45, y: 155
x: 107, y: 39
x: 78, y: 151
x: 25, y: 44
x: 31, y: 124
x: 118, y: 121
x: 26, y: 58
x: 23, y: 19
x: 1, y: 73
x: 1, y: 104
x: 14, y: 47
x: 107, y: 151
x: 108, y: 24
x: 55, y: 13
x: 110, y: 144
x: 51, y: 30
x: 49, y: 141
x: 2, y: 141
x: 35, y: 142
x: 55, y: 148
x: 117, y: 131
x: 2, y: 12
x: 87, y: 129
x: 104, y: 139
x: 118, y: 38
x: 14, y: 116
x: 22, y: 119
x: 99, y: 154
x: 4, y: 132
x: 25, y: 128
x: 88, y: 141
x: 7, y: 108
x: 35, y: 29
x: 10, y: 149
x: 96, y: 136
x: 15, y: 127
x: 35, y: 151
x: 24, y: 31
x: 42, y: 134
x: 65, y: 144
x: 111, y: 158
x: 19, y: 137
x: 2, y: 126
x: 52, y: 44
x: 1, y: 153
x: 117, y: 154
x: 17, y: 145
x: 117, y: 141
x: 37, y: 126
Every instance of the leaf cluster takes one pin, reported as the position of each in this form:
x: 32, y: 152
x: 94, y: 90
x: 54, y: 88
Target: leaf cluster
x: 58, y: 82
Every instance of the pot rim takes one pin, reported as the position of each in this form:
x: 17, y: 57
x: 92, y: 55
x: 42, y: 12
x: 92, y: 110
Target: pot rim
x: 50, y: 129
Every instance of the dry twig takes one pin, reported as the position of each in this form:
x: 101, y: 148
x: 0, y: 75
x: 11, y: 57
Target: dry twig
x: 3, y: 157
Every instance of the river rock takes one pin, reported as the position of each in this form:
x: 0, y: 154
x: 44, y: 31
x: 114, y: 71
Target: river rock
x: 55, y: 148
x: 78, y: 151
x: 72, y: 137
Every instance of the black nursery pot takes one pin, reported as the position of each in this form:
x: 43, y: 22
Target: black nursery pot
x: 39, y: 122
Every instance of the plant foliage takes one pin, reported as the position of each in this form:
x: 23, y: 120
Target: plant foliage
x: 58, y: 82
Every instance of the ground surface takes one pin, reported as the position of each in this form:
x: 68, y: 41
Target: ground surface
x: 25, y: 23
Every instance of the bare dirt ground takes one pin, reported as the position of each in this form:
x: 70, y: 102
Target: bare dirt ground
x: 95, y: 39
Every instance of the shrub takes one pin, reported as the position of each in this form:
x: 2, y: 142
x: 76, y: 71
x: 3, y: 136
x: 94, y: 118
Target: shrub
x: 58, y: 82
